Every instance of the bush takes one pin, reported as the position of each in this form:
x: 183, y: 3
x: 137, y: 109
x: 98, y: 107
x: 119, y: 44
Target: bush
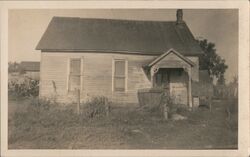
x: 166, y: 103
x: 172, y: 107
x: 96, y: 107
x: 26, y: 88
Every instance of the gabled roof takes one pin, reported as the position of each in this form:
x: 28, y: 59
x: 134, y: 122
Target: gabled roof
x: 30, y: 66
x: 121, y: 36
x: 167, y: 53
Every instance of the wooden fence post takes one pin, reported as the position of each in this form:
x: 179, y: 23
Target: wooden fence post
x: 210, y: 103
x: 165, y: 111
x: 78, y: 101
x: 165, y: 96
x: 106, y: 106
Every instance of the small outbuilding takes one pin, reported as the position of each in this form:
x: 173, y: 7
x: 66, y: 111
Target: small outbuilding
x: 30, y: 69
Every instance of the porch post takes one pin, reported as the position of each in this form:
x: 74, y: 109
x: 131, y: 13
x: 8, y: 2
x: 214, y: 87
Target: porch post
x: 152, y: 80
x: 152, y: 77
x: 190, y: 87
x: 153, y: 71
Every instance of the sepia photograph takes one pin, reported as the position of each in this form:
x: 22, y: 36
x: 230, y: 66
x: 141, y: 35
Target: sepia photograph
x: 125, y: 79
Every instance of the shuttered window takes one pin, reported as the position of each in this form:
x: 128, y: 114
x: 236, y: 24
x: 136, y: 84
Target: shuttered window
x: 74, y: 74
x: 119, y: 75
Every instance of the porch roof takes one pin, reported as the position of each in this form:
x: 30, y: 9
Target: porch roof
x: 185, y: 59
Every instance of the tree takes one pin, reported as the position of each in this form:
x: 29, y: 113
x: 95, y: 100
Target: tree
x: 212, y: 62
x: 15, y: 67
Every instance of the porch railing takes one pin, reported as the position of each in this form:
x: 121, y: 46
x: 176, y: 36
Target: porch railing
x: 150, y: 96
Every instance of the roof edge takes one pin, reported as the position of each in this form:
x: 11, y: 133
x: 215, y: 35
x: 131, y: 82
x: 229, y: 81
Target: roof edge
x: 167, y: 53
x: 113, y: 19
x: 106, y: 51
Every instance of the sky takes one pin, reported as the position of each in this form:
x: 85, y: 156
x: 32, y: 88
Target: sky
x: 219, y: 26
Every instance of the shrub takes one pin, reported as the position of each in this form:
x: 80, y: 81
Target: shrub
x: 165, y: 106
x: 172, y: 107
x: 96, y: 107
x: 167, y: 100
x: 166, y: 103
x: 25, y: 88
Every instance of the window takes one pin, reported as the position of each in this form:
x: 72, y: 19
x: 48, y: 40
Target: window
x: 119, y: 75
x: 74, y: 74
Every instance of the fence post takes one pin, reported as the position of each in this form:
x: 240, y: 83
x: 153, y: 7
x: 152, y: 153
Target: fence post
x: 78, y: 101
x: 165, y: 105
x: 106, y: 107
x: 210, y: 103
x: 165, y: 111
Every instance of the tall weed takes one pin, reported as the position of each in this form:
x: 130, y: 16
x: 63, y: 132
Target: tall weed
x: 96, y: 107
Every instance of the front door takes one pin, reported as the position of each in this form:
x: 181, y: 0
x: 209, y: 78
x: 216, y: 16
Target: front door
x: 178, y: 86
x: 162, y: 79
x: 174, y: 83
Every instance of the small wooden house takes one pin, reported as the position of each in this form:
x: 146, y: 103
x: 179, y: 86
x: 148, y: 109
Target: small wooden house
x: 30, y: 69
x: 116, y: 58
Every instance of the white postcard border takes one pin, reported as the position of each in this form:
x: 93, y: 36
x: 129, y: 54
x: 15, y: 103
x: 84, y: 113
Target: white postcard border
x: 243, y: 136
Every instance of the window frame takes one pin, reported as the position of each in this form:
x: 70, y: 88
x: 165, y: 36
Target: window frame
x: 80, y: 75
x: 125, y: 76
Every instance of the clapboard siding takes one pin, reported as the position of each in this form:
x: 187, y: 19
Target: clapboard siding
x: 96, y: 75
x: 53, y: 68
x: 137, y: 79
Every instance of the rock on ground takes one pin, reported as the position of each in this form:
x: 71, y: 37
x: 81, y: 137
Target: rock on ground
x: 178, y: 117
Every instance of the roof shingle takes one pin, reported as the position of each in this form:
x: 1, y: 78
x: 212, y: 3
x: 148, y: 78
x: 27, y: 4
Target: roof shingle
x: 110, y: 35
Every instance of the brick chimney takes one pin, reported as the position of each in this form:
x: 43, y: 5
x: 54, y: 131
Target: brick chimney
x: 179, y: 16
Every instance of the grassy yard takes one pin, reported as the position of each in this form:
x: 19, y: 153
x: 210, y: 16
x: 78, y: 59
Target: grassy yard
x: 124, y: 128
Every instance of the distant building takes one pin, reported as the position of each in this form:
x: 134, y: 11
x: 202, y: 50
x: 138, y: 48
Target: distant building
x: 30, y: 69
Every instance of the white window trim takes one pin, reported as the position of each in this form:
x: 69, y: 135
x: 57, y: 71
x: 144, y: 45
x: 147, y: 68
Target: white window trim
x: 126, y: 74
x: 81, y: 75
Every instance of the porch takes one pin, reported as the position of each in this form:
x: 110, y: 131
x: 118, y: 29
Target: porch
x: 174, y: 82
x: 171, y: 72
